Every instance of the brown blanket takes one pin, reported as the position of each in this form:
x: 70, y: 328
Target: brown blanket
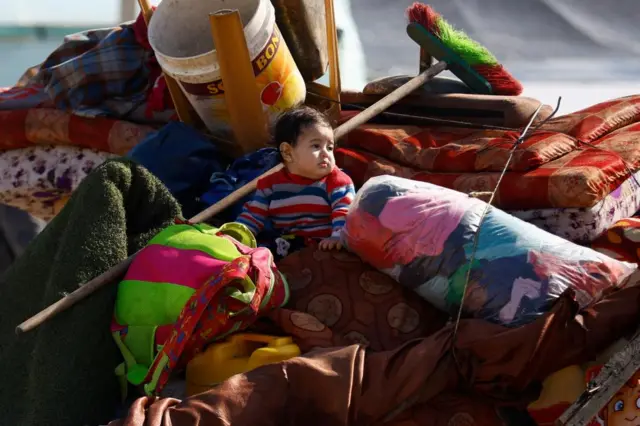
x: 419, y: 382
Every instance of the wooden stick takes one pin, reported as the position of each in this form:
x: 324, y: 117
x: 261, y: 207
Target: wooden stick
x: 339, y: 132
x: 425, y: 60
x: 232, y: 198
x: 335, y: 84
x: 241, y: 93
x: 74, y: 297
x: 121, y: 268
x: 180, y: 102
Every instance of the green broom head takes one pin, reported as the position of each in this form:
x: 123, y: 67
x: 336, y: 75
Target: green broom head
x: 473, y: 53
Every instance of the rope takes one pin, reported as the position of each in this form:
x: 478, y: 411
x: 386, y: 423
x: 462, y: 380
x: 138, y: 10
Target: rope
x: 476, y: 236
x: 408, y: 403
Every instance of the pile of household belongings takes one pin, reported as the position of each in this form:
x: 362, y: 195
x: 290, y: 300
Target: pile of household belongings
x: 378, y: 343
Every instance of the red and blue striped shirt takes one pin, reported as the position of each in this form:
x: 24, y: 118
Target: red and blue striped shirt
x: 300, y: 206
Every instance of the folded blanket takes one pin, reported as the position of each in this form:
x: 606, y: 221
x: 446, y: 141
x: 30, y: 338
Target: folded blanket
x: 32, y: 127
x: 101, y: 72
x: 62, y: 373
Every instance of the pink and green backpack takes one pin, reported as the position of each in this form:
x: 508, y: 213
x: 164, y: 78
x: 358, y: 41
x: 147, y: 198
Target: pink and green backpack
x: 190, y: 286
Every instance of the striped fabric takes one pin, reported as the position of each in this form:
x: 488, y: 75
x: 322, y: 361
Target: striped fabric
x: 300, y: 206
x: 164, y: 275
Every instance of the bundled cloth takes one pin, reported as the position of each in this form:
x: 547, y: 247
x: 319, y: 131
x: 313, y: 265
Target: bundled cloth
x: 183, y: 159
x: 424, y: 236
x: 242, y: 171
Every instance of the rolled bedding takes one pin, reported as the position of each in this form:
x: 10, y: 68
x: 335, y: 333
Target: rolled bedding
x: 423, y: 236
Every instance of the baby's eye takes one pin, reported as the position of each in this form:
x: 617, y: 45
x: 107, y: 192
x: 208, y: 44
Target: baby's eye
x: 330, y: 148
x: 315, y: 146
x: 618, y: 406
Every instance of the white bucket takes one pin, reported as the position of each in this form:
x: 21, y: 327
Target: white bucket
x: 180, y: 35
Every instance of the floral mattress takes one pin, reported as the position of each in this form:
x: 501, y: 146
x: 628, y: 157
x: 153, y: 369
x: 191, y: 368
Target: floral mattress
x: 40, y: 179
x: 45, y: 154
x: 584, y: 224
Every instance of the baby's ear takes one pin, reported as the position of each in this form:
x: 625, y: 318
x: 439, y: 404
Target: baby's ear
x: 286, y: 150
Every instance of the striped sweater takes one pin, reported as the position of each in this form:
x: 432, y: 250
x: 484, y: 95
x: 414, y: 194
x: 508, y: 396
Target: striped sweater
x: 300, y: 206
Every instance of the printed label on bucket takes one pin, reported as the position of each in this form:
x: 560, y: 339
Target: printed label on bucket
x: 277, y: 76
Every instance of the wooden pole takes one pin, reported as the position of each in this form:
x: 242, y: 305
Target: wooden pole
x: 335, y: 83
x: 241, y: 94
x: 119, y: 269
x: 334, y: 90
x: 180, y: 102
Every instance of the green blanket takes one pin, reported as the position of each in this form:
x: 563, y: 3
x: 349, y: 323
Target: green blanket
x: 62, y: 373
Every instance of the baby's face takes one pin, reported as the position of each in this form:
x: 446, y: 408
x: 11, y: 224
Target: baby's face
x: 312, y: 154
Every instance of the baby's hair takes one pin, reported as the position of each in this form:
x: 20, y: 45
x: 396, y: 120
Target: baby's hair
x: 292, y: 122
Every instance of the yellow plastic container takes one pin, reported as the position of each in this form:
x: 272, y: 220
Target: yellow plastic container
x: 238, y: 354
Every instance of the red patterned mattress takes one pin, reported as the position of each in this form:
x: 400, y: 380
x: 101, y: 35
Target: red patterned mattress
x: 45, y: 153
x: 24, y: 128
x: 574, y: 161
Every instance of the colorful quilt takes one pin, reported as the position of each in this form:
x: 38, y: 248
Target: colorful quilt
x: 423, y: 236
x: 25, y: 128
x: 553, y: 168
x: 458, y: 150
x: 590, y: 124
x: 46, y: 152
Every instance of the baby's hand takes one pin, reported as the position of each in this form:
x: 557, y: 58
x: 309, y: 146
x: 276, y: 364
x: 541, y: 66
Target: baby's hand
x: 331, y: 243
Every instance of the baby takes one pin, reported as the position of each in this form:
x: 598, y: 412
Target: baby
x: 310, y: 196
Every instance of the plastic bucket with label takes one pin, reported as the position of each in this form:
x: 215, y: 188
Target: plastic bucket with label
x: 180, y: 35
